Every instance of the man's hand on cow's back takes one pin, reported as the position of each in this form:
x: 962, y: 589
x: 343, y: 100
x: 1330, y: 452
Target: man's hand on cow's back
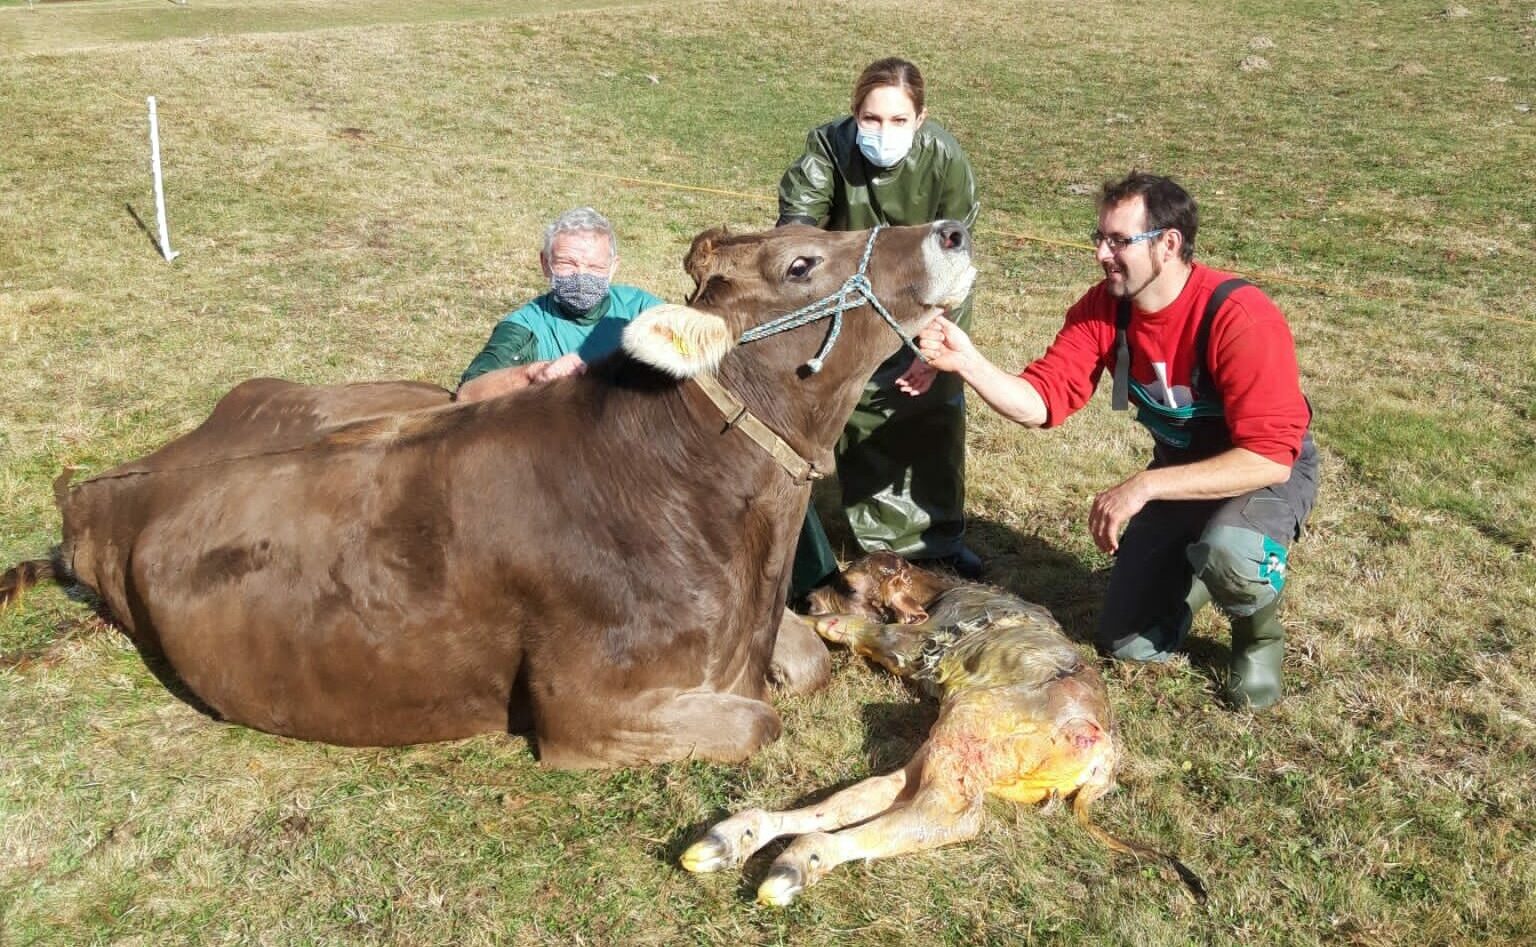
x: 503, y: 381
x: 494, y: 384
x: 569, y: 364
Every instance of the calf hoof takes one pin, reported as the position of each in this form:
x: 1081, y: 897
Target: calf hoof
x: 713, y: 852
x: 835, y: 628
x: 729, y: 844
x: 783, y: 884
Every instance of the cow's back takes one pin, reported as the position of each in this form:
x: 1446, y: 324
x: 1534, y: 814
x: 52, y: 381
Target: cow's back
x: 106, y: 517
x: 270, y: 415
x: 385, y: 580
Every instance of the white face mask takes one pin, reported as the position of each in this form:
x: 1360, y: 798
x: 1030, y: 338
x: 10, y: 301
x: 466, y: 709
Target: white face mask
x: 886, y: 149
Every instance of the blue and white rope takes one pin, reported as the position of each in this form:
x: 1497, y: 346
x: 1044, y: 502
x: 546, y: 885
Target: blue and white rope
x: 834, y: 305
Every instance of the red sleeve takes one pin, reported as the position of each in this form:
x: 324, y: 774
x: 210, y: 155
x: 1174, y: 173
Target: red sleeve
x: 1068, y: 372
x: 1252, y: 359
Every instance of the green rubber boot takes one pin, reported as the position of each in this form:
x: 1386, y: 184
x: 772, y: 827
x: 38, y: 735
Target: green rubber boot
x: 1167, y: 635
x: 1258, y: 649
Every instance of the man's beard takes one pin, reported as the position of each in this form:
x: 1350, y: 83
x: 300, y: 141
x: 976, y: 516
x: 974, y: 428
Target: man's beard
x: 1126, y: 292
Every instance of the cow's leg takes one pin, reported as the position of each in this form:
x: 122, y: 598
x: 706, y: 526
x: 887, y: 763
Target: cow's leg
x: 731, y: 842
x: 694, y: 725
x: 940, y: 813
x: 801, y: 662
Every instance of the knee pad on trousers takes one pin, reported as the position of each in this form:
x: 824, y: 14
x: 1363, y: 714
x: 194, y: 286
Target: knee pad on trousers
x: 1243, y: 568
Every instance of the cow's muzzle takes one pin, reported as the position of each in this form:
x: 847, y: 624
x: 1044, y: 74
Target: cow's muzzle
x: 952, y: 235
x: 947, y: 258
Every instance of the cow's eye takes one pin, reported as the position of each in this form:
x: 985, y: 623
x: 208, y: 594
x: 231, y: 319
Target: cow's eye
x: 802, y: 266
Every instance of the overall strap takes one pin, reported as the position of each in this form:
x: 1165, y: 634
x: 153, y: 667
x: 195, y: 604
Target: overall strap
x: 1203, y: 334
x: 1120, y: 396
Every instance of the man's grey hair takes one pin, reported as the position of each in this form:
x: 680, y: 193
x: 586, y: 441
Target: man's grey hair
x: 584, y: 220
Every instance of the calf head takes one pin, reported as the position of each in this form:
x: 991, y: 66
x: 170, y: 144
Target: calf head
x: 883, y: 587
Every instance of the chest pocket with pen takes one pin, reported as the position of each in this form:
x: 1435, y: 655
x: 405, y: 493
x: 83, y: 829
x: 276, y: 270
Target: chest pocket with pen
x: 1198, y: 429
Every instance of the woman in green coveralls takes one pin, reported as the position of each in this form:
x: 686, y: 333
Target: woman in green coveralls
x: 901, y: 459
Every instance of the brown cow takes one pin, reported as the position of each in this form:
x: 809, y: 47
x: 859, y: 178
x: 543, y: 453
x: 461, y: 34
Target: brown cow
x: 605, y: 558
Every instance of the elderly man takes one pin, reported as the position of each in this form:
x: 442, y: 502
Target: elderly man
x: 1211, y: 366
x: 581, y: 318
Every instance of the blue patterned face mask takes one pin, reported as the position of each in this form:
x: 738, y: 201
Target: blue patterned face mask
x: 578, y: 292
x: 886, y: 149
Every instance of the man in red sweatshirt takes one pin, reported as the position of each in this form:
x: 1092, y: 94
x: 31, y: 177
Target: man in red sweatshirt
x: 1210, y: 365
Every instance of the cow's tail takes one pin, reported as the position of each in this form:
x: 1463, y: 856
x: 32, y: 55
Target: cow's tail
x: 22, y: 576
x: 1192, y: 883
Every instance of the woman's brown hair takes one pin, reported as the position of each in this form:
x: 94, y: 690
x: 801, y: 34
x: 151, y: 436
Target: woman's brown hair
x: 884, y: 72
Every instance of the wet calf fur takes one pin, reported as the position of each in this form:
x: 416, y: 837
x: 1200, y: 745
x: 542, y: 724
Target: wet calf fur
x: 1021, y: 716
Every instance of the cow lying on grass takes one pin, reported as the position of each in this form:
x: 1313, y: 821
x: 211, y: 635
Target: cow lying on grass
x: 1021, y: 716
x: 604, y: 558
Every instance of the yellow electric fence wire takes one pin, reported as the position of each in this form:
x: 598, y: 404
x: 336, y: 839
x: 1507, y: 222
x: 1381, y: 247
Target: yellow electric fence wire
x: 1258, y: 275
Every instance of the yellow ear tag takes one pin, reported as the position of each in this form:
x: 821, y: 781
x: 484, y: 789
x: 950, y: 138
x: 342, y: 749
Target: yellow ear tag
x: 681, y: 345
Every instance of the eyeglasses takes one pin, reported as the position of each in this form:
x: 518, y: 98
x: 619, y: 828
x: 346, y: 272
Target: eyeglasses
x: 1116, y: 244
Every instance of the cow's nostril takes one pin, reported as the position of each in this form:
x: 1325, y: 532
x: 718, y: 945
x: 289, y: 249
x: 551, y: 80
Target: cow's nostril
x: 952, y: 235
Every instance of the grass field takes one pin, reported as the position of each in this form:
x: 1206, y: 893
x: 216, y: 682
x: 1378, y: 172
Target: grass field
x: 356, y: 190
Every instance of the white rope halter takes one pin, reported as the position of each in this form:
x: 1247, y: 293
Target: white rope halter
x: 834, y: 305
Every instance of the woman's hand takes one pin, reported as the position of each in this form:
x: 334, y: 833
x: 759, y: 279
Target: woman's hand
x: 918, y: 378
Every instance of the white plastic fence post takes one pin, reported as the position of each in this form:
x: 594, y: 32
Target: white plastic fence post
x: 154, y: 161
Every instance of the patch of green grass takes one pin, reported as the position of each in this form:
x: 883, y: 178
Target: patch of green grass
x: 1451, y: 458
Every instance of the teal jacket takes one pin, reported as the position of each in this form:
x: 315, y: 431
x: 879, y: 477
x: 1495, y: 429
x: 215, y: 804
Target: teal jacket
x: 543, y: 330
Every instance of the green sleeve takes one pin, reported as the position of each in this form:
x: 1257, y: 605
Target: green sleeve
x: 957, y: 200
x: 805, y: 191
x: 509, y: 344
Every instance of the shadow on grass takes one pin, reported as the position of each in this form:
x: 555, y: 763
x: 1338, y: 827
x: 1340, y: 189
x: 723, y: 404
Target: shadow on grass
x: 157, y: 664
x: 1038, y: 572
x: 149, y: 235
x: 1209, y: 655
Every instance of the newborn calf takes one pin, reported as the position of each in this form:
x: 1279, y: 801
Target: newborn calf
x: 1021, y: 716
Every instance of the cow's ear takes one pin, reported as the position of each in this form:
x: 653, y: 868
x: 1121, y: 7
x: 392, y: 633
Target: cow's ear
x: 678, y: 340
x: 701, y: 253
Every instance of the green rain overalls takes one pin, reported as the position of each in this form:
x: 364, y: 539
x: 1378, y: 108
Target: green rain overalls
x: 901, y: 459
